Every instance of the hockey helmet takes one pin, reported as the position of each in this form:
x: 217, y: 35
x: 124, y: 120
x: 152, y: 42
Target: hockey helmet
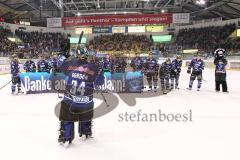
x: 168, y: 60
x: 178, y: 57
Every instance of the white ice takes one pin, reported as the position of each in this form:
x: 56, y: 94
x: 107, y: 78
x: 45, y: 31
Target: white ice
x: 29, y: 127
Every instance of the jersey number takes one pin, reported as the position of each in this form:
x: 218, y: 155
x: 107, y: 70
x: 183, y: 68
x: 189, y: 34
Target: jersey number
x: 77, y: 89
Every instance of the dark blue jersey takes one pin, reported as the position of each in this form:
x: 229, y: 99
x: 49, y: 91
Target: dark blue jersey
x: 42, y: 66
x: 60, y: 61
x: 197, y: 65
x: 30, y: 66
x: 119, y: 65
x: 137, y: 64
x: 176, y: 66
x: 107, y: 64
x: 15, y: 69
x: 52, y: 64
x: 81, y: 78
x: 165, y: 70
x: 151, y: 65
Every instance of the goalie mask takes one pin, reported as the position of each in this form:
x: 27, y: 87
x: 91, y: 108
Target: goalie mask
x: 82, y: 53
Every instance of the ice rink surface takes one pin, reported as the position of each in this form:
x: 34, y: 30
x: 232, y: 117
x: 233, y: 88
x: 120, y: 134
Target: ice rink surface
x: 29, y: 127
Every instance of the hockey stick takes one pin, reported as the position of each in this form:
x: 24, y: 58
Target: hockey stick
x: 104, y: 99
x: 5, y: 85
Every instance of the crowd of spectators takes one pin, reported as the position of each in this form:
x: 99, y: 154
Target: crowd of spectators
x: 6, y: 46
x: 207, y: 38
x: 232, y: 44
x: 40, y: 43
x: 121, y: 42
x: 33, y: 44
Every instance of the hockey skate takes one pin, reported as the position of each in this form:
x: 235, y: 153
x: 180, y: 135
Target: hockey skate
x: 155, y: 89
x: 63, y: 142
x: 62, y: 139
x: 225, y: 91
x: 150, y: 88
x: 13, y: 93
x: 20, y: 92
x: 66, y: 144
x: 169, y: 89
x: 85, y: 133
x: 164, y: 91
x: 85, y: 136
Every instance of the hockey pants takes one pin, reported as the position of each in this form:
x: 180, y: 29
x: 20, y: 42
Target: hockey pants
x: 152, y: 79
x: 164, y: 83
x: 192, y: 79
x: 68, y: 117
x: 16, y: 83
x: 174, y: 77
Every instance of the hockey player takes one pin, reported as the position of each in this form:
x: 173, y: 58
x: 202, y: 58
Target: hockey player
x: 77, y: 105
x: 151, y: 68
x: 15, y: 71
x: 107, y: 64
x: 137, y: 64
x: 164, y: 75
x: 42, y: 65
x: 52, y: 64
x: 175, y: 72
x: 220, y: 71
x: 196, y: 68
x: 30, y: 66
x: 119, y: 65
